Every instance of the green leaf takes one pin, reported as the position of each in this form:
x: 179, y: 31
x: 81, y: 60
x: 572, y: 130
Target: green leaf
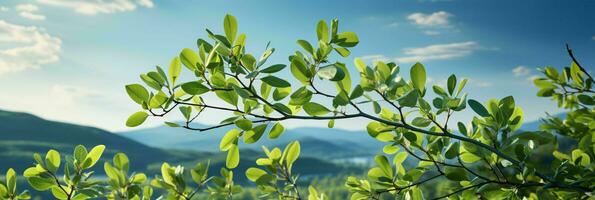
x: 342, y: 51
x: 315, y: 109
x: 456, y: 173
x: 322, y: 31
x: 346, y: 39
x: 52, y: 160
x: 230, y: 26
x: 345, y: 83
x: 452, y: 83
x: 281, y: 93
x: 452, y: 150
x: 300, y: 71
x: 228, y: 96
x: 233, y: 157
x: 11, y: 181
x: 275, y: 82
x: 254, y: 174
x: 239, y: 44
x: 172, y: 124
x: 229, y: 139
x: 249, y: 62
x: 136, y: 119
x: 384, y: 165
x: 331, y: 72
x: 194, y: 88
x: 276, y: 131
x: 306, y: 46
x: 301, y: 96
x: 200, y: 172
x: 186, y: 111
x: 418, y: 77
x: 576, y: 73
x: 293, y: 152
x: 174, y: 70
x: 122, y: 162
x: 80, y: 153
x: 150, y: 82
x: 273, y: 68
x: 189, y: 59
x: 137, y: 93
x: 421, y: 122
x: 93, y: 156
x: 586, y: 99
x: 59, y: 193
x: 409, y: 100
x: 244, y: 124
x: 255, y: 134
x: 41, y: 184
x: 360, y: 65
x: 461, y: 86
x: 478, y: 108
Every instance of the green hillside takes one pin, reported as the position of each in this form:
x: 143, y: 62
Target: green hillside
x: 22, y: 134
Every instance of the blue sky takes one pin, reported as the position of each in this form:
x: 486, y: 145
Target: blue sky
x: 68, y: 60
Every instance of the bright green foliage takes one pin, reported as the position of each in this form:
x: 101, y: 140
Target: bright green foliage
x: 572, y: 89
x: 486, y: 158
x: 174, y: 181
x: 275, y: 178
x: 76, y: 182
x: 121, y: 185
x: 8, y: 188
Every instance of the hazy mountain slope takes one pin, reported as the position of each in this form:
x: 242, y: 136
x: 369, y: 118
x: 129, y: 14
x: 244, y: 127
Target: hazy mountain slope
x: 318, y: 142
x: 22, y: 135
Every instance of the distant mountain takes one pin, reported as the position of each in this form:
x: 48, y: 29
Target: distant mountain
x: 22, y: 135
x: 316, y: 142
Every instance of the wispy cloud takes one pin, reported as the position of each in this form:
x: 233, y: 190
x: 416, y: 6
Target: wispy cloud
x: 436, y: 19
x: 438, y: 52
x: 593, y: 38
x: 375, y: 58
x: 480, y: 83
x: 521, y: 71
x: 28, y: 47
x: 69, y: 94
x: 28, y: 11
x: 428, y: 53
x: 93, y: 7
x: 4, y: 8
x: 431, y: 32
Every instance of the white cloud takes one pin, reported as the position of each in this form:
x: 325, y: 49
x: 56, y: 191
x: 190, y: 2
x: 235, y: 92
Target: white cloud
x: 28, y: 11
x: 521, y: 71
x: 392, y: 24
x: 375, y: 58
x: 27, y: 47
x: 438, y: 52
x: 593, y: 38
x: 430, y: 32
x: 428, y: 53
x: 146, y: 3
x: 93, y: 7
x: 436, y: 19
x: 27, y: 7
x: 69, y: 94
x: 4, y: 9
x: 480, y: 83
